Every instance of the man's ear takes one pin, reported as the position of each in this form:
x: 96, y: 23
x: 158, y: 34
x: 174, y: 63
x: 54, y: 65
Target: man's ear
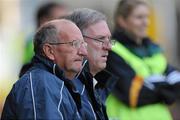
x: 48, y: 51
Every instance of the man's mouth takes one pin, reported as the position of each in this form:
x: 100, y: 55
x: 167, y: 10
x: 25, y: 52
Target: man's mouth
x: 104, y: 57
x: 78, y: 60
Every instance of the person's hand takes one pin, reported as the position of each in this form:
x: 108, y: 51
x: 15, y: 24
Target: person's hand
x: 173, y: 77
x: 153, y: 79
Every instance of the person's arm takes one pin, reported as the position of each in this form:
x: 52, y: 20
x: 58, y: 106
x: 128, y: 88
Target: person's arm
x: 39, y: 101
x: 134, y: 90
x: 155, y: 88
x: 167, y: 85
x: 23, y: 103
x: 9, y: 110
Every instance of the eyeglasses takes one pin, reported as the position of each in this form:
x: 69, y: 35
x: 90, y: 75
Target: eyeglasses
x: 75, y: 43
x: 103, y: 40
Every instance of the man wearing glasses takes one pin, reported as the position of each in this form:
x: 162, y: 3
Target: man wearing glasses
x: 97, y: 35
x: 45, y: 90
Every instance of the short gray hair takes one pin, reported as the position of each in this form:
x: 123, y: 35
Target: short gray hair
x: 46, y: 33
x: 84, y: 17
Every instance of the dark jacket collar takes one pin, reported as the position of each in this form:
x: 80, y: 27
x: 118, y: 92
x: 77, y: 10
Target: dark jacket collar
x: 106, y: 82
x: 147, y: 48
x: 126, y: 38
x: 87, y: 78
x: 105, y: 79
x: 47, y: 64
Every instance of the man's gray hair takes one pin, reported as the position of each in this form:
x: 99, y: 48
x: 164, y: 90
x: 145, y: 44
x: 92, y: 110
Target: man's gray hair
x: 84, y: 17
x: 47, y: 33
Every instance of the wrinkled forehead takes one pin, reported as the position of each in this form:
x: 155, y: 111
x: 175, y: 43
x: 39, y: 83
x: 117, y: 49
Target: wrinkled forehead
x: 98, y: 29
x: 70, y: 32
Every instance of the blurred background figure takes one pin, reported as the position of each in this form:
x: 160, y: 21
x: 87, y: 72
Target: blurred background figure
x: 46, y: 12
x: 147, y: 83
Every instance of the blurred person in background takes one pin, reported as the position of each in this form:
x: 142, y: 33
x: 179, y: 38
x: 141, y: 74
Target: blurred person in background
x: 147, y: 83
x: 46, y: 12
x: 92, y: 88
x: 45, y: 90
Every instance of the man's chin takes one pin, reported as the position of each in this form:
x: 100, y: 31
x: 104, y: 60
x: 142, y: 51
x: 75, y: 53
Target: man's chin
x: 102, y: 66
x: 75, y: 71
x: 77, y: 68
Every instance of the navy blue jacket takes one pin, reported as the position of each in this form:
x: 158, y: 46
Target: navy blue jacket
x: 87, y: 112
x: 41, y: 93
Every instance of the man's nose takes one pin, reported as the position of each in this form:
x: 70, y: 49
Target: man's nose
x: 107, y: 46
x: 83, y: 50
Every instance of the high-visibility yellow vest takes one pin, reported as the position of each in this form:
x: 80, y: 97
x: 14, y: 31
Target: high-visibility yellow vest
x: 143, y: 67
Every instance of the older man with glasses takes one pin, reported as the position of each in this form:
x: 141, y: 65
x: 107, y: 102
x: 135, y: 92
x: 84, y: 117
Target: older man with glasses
x: 45, y: 91
x: 98, y: 37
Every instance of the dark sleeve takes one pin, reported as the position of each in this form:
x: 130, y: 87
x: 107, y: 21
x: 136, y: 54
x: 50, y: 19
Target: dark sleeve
x: 169, y: 69
x: 126, y: 76
x: 106, y: 82
x: 163, y: 93
x: 9, y: 111
x: 169, y: 90
x: 47, y: 102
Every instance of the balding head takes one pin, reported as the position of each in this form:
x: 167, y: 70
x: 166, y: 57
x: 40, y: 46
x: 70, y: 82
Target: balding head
x: 53, y: 31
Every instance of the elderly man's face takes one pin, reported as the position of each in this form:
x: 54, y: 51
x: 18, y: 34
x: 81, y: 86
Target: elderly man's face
x: 97, y: 50
x: 70, y: 56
